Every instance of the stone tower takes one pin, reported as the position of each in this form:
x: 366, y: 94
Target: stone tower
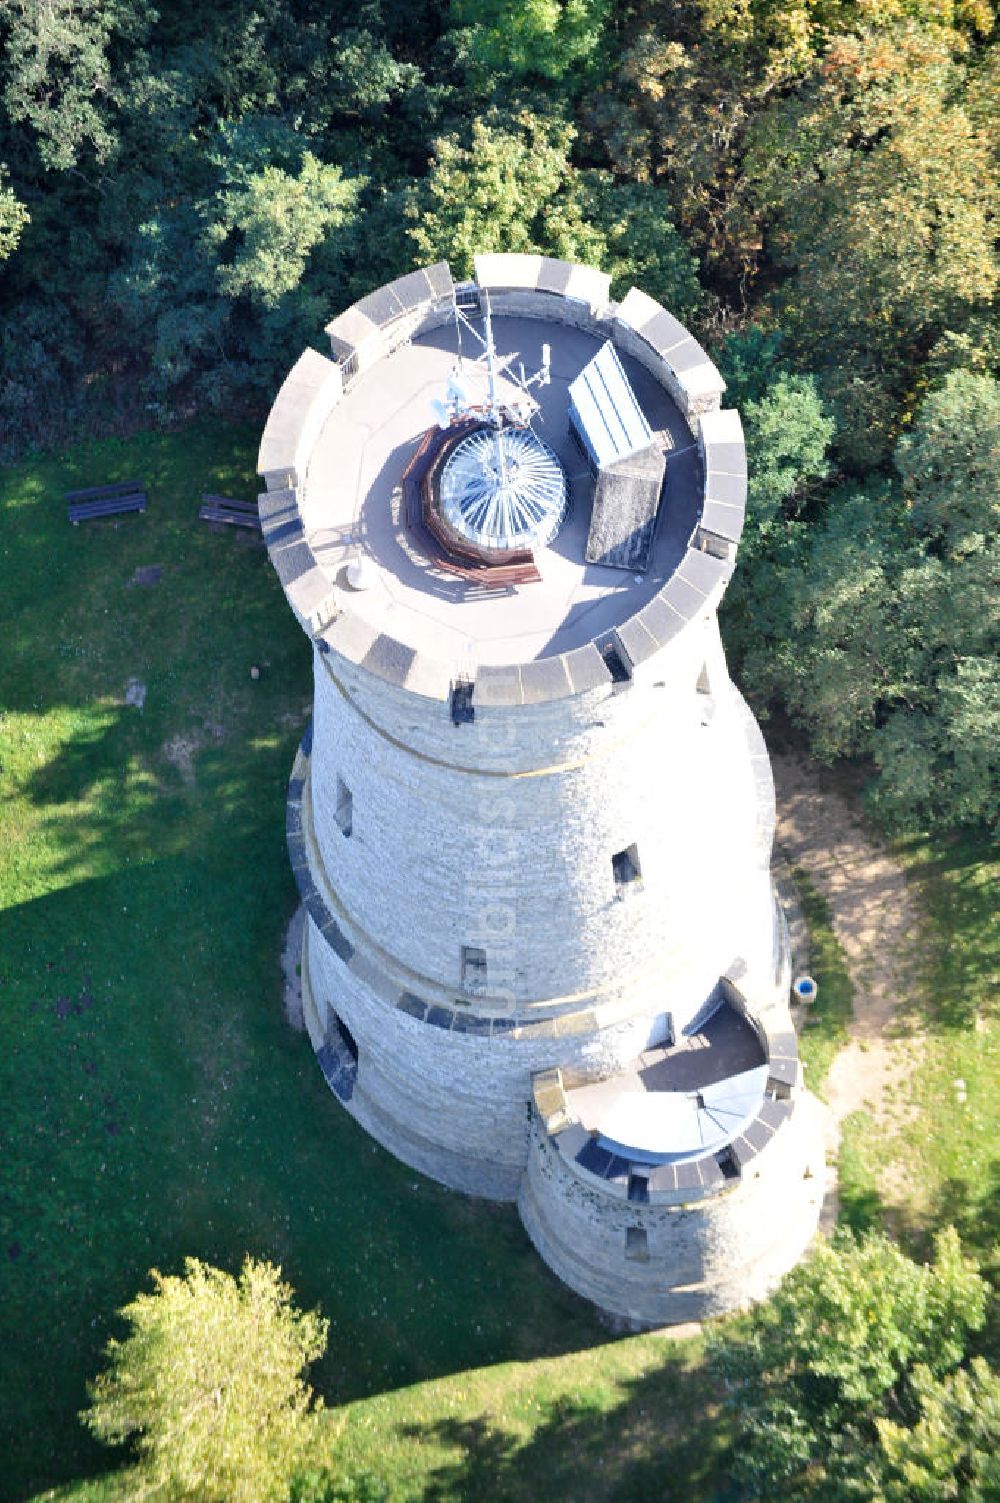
x: 532, y: 818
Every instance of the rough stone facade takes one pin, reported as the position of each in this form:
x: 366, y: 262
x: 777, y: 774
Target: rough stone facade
x: 537, y: 889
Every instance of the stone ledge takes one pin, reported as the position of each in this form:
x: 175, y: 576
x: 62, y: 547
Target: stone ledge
x: 375, y: 325
x: 689, y: 375
x: 308, y: 394
x: 566, y: 279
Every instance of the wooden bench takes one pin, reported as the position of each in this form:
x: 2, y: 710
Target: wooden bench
x: 225, y: 509
x: 105, y: 500
x: 451, y: 554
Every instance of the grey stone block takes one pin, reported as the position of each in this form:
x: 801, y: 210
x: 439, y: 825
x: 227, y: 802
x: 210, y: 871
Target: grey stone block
x: 498, y: 687
x: 349, y: 332
x: 663, y: 1179
x: 774, y: 1113
x: 661, y: 620
x: 688, y: 1175
x: 665, y: 333
x: 726, y: 521
x: 439, y: 279
x: 758, y: 1134
x: 309, y: 591
x: 586, y: 669
x: 292, y: 561
x: 554, y: 276
x: 381, y: 307
x: 732, y: 489
x: 350, y: 636
x: 743, y: 1151
x: 711, y: 1172
x: 702, y: 571
x: 389, y: 659
x: 545, y: 679
x: 685, y: 599
x: 782, y: 1046
x: 412, y: 290
x: 637, y: 641
x: 686, y: 357
x: 726, y: 459
x: 570, y: 1140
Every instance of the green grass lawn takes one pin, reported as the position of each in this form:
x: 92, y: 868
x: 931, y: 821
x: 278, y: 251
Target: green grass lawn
x: 156, y: 1104
x: 946, y: 1152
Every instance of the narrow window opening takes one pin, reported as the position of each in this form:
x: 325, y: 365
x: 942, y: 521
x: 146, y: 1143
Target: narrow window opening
x: 636, y: 1244
x: 345, y: 808
x: 473, y: 969
x: 638, y: 1188
x: 614, y: 661
x: 726, y: 1160
x: 704, y: 687
x: 346, y: 1037
x: 626, y: 870
x: 463, y: 711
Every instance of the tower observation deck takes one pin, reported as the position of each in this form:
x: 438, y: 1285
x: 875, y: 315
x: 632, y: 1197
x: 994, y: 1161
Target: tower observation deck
x: 532, y: 817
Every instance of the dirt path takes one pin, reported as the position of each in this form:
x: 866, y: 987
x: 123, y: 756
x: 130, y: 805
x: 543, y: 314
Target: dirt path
x: 876, y: 921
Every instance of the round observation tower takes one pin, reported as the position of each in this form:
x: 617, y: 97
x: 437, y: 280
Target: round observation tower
x: 532, y: 818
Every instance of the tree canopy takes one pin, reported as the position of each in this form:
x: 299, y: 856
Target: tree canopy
x: 186, y: 199
x: 838, y: 1379
x: 209, y: 1384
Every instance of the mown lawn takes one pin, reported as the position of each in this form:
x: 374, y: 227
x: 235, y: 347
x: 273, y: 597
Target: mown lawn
x: 944, y: 1157
x: 156, y: 1104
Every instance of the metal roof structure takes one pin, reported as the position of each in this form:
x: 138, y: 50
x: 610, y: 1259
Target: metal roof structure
x: 608, y: 418
x: 504, y: 488
x: 659, y: 1127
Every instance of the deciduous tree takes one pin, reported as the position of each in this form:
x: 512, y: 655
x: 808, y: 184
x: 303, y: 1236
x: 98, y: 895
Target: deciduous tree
x: 209, y: 1383
x: 846, y: 1340
x: 950, y: 462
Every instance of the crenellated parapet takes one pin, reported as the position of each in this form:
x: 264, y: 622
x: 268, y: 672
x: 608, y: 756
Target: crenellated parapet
x: 529, y: 287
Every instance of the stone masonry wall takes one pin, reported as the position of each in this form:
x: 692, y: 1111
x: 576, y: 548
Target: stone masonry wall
x: 445, y: 853
x: 700, y: 1258
x: 454, y: 1105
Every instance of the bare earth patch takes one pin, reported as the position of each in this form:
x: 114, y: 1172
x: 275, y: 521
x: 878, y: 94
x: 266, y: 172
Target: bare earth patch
x: 180, y: 752
x: 876, y: 920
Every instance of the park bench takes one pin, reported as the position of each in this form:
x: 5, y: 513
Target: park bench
x: 105, y: 500
x: 225, y: 509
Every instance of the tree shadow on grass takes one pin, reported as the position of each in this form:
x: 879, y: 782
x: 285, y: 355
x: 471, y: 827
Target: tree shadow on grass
x: 156, y: 1105
x: 958, y: 876
x: 662, y: 1437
